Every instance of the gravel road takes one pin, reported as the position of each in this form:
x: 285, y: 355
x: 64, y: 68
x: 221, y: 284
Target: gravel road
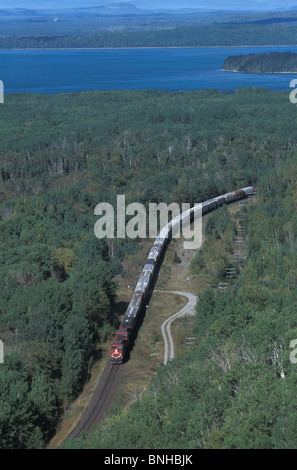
x: 188, y: 309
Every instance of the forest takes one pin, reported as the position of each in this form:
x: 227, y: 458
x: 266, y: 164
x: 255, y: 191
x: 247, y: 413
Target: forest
x: 236, y: 387
x: 63, y: 154
x: 273, y: 62
x: 218, y: 34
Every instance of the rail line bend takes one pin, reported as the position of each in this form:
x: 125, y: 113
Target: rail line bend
x: 102, y: 397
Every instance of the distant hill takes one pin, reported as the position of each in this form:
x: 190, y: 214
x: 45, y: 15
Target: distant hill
x: 112, y: 9
x: 12, y: 12
x: 267, y: 21
x: 273, y: 62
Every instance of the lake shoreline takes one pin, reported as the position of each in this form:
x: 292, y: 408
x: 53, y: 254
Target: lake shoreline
x: 258, y: 73
x: 137, y: 47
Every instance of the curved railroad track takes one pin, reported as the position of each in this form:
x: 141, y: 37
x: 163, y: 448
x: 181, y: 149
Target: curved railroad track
x: 102, y: 397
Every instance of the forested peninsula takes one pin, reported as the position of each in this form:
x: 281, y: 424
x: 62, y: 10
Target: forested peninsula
x: 193, y: 36
x: 273, y: 62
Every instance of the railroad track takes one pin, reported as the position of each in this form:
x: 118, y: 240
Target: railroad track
x: 101, y: 399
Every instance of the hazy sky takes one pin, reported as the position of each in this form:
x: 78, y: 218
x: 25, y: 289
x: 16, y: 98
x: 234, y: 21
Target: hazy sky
x: 213, y: 4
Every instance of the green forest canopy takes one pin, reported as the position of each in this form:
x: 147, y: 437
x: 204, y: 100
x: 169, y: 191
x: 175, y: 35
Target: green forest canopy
x: 247, y: 34
x: 63, y: 154
x: 273, y: 62
x: 235, y: 388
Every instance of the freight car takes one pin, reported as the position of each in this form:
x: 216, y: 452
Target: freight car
x: 132, y: 315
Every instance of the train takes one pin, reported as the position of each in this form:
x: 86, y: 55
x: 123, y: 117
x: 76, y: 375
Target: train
x: 127, y: 327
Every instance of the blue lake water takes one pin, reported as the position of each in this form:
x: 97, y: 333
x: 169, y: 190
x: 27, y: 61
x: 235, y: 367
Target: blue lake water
x: 55, y: 71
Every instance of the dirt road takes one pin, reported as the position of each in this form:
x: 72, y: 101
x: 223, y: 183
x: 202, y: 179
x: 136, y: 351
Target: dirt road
x: 188, y: 309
